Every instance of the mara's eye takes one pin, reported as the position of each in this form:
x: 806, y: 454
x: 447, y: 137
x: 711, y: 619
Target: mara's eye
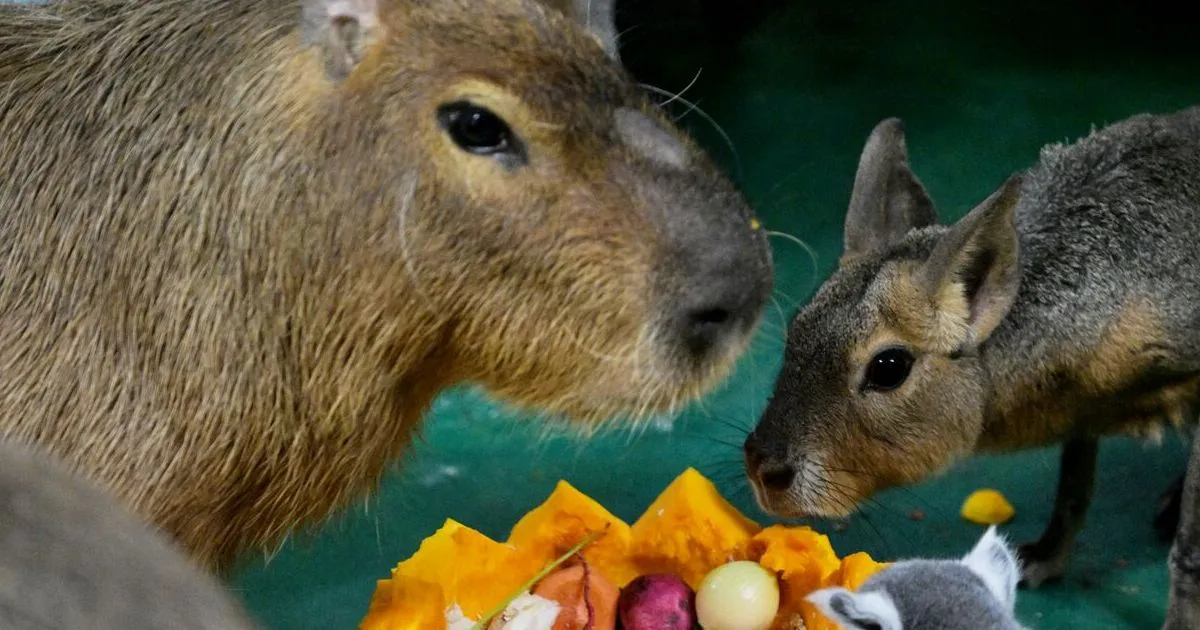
x: 888, y: 370
x: 477, y: 130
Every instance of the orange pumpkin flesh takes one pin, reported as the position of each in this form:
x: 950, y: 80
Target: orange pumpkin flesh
x: 567, y: 517
x: 803, y: 560
x: 689, y: 530
x: 472, y: 570
x: 851, y: 572
x: 405, y: 603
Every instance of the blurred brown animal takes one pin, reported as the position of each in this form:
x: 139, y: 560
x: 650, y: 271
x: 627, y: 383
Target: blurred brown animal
x: 244, y: 243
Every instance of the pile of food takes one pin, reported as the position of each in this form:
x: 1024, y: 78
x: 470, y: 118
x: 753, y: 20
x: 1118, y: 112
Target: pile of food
x: 690, y: 560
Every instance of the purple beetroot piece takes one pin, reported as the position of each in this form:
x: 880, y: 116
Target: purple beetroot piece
x: 657, y: 602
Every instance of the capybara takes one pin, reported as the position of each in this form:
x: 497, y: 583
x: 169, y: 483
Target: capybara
x: 245, y: 243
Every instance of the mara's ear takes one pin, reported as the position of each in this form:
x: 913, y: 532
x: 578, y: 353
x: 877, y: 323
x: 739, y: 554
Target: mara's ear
x: 996, y: 564
x: 973, y: 273
x: 597, y: 17
x: 888, y: 200
x: 857, y: 610
x: 343, y: 30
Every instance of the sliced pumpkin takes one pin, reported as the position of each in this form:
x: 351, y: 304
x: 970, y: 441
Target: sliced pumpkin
x: 471, y: 569
x: 802, y: 558
x: 568, y: 516
x: 405, y: 603
x: 858, y: 568
x: 852, y: 571
x: 689, y: 530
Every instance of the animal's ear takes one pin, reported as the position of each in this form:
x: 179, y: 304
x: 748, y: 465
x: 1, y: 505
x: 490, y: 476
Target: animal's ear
x: 973, y: 273
x: 871, y: 610
x: 888, y: 200
x: 597, y: 17
x: 343, y: 29
x: 995, y: 562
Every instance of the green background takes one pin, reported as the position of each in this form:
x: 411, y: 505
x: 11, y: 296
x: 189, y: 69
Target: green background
x: 797, y: 86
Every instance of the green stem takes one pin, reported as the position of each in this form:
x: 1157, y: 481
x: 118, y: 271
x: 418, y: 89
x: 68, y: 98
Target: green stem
x: 487, y: 618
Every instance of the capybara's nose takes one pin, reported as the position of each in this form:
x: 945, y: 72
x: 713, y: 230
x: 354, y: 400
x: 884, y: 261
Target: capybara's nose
x: 702, y: 327
x: 719, y: 306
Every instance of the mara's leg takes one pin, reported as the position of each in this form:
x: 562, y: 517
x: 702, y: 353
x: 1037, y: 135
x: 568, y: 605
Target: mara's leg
x: 1166, y: 518
x: 1047, y: 559
x: 1183, y: 607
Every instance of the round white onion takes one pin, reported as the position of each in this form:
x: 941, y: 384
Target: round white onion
x: 737, y: 596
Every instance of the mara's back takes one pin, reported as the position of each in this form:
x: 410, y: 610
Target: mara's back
x: 1116, y: 214
x: 1106, y: 327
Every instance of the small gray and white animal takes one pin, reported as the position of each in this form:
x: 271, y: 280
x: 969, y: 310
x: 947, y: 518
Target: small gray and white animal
x: 976, y: 592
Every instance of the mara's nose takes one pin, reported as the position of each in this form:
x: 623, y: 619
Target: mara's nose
x: 768, y: 474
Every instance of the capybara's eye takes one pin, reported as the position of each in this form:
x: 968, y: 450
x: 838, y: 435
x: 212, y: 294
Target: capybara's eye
x: 888, y: 370
x: 477, y: 130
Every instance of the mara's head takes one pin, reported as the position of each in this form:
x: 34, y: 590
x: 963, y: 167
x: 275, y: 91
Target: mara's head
x: 582, y: 254
x: 881, y: 383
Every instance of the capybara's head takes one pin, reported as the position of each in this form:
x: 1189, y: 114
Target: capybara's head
x: 584, y: 256
x: 882, y: 383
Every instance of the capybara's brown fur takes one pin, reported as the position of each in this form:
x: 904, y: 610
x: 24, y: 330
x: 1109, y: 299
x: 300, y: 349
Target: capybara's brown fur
x: 244, y: 243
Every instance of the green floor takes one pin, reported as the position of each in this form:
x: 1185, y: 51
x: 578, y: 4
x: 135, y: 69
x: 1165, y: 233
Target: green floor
x: 797, y: 89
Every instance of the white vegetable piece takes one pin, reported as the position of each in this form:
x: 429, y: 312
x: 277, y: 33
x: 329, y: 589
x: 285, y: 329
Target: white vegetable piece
x: 456, y: 620
x: 527, y: 612
x: 737, y: 596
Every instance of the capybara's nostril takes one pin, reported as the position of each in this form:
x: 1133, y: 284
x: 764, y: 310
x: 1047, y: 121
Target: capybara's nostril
x: 702, y: 328
x: 710, y: 316
x: 717, y: 309
x: 777, y: 478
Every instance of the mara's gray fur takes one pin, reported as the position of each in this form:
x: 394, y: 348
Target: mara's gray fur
x: 1062, y: 309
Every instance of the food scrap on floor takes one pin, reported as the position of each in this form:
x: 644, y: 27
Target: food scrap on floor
x: 987, y: 507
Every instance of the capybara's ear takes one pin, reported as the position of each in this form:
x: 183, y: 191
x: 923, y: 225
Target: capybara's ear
x: 343, y: 29
x: 597, y: 17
